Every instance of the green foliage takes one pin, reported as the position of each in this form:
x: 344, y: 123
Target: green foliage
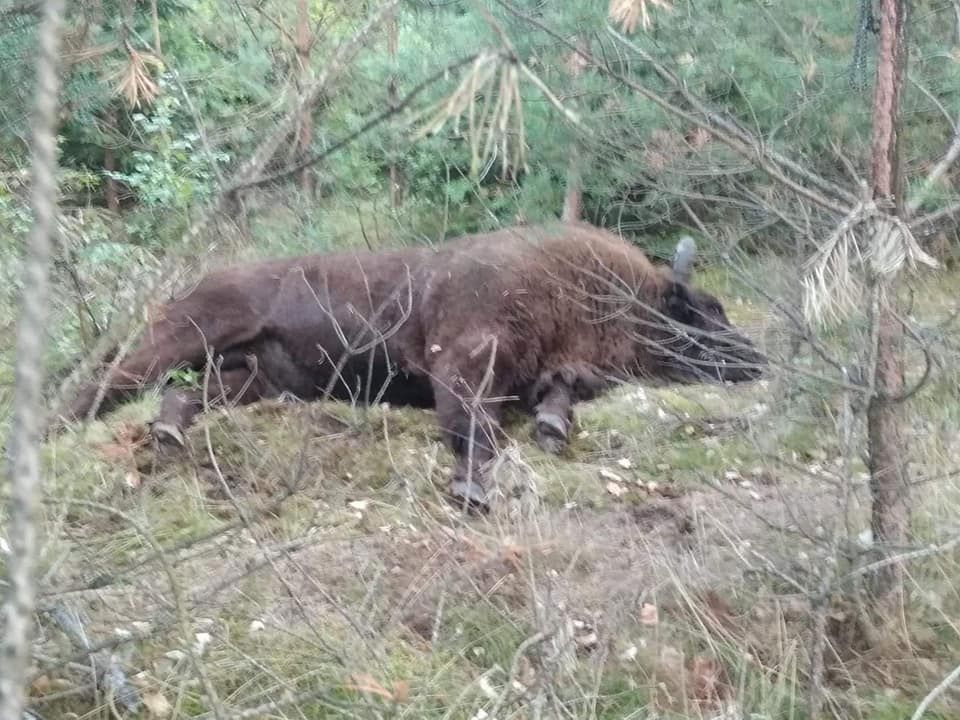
x: 174, y: 174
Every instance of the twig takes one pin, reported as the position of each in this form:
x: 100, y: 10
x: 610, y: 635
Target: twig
x: 530, y: 642
x: 106, y: 669
x: 938, y: 171
x: 936, y: 692
x: 738, y: 140
x: 363, y: 129
x: 246, y: 173
x: 919, y: 554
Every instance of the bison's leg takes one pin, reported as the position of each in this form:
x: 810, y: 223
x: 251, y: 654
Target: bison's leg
x: 180, y: 406
x: 165, y: 345
x: 466, y: 389
x: 552, y: 400
x: 553, y: 417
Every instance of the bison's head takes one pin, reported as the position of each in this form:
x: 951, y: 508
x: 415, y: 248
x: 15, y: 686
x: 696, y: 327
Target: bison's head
x: 699, y: 342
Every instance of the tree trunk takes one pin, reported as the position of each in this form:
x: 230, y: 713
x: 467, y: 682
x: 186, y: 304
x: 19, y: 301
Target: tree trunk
x: 305, y: 136
x: 890, y: 490
x: 24, y: 480
x: 573, y: 198
x: 396, y: 187
x: 110, y: 193
x: 155, y: 20
x: 573, y: 195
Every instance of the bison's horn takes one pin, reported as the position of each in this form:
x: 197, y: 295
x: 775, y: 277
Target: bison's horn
x: 683, y: 258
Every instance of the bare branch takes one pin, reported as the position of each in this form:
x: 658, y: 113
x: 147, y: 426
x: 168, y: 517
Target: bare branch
x: 738, y: 140
x: 362, y: 130
x: 936, y: 692
x: 938, y: 171
x: 244, y: 175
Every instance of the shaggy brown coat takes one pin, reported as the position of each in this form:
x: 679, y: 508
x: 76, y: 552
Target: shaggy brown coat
x: 548, y: 315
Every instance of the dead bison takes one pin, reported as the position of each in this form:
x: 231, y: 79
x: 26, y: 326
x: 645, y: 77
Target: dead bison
x: 542, y: 316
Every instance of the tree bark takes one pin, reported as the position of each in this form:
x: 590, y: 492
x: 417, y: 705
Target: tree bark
x: 111, y: 194
x: 396, y: 186
x: 889, y: 485
x: 573, y: 197
x: 305, y: 136
x: 24, y: 479
x: 155, y: 21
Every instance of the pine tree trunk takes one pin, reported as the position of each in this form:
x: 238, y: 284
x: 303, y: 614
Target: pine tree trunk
x: 573, y: 198
x: 573, y: 194
x: 305, y: 136
x: 24, y: 482
x: 396, y: 188
x: 110, y: 194
x: 890, y: 490
x: 155, y: 19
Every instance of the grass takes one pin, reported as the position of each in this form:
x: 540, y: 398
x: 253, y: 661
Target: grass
x: 660, y: 557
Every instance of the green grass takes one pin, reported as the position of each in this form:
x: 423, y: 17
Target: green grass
x: 366, y: 562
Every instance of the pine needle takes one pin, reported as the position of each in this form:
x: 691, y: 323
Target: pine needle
x: 838, y: 272
x: 489, y: 96
x: 629, y: 12
x: 133, y: 81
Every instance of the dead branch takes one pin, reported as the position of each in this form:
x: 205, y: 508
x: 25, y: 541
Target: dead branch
x: 377, y: 119
x: 243, y: 176
x: 938, y: 690
x: 740, y: 141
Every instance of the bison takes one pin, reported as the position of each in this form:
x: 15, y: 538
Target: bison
x: 535, y: 316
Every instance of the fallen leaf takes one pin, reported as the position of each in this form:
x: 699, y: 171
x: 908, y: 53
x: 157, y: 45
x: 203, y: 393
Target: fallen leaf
x: 610, y: 475
x: 203, y: 639
x: 366, y: 684
x: 40, y: 686
x: 648, y: 614
x: 709, y: 683
x: 401, y: 691
x: 615, y: 489
x: 157, y: 705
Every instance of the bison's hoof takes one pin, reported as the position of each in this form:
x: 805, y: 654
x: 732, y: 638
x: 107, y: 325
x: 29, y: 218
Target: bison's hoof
x: 551, y: 432
x: 470, y: 494
x: 167, y: 434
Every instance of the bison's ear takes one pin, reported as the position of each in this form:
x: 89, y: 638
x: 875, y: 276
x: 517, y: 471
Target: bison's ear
x: 678, y: 303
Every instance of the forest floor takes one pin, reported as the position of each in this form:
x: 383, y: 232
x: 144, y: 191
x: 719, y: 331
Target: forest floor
x: 665, y: 566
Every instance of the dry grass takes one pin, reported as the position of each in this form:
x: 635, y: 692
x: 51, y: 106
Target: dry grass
x: 665, y: 567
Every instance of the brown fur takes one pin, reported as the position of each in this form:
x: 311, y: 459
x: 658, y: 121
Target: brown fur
x: 549, y: 314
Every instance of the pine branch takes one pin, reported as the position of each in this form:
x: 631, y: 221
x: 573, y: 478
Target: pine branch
x: 740, y: 141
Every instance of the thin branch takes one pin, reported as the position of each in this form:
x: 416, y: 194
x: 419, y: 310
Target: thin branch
x: 938, y: 171
x: 936, y: 692
x: 240, y: 179
x: 24, y: 469
x: 948, y: 211
x: 740, y: 141
x: 363, y: 129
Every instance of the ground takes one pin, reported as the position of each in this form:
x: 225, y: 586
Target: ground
x: 663, y: 567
